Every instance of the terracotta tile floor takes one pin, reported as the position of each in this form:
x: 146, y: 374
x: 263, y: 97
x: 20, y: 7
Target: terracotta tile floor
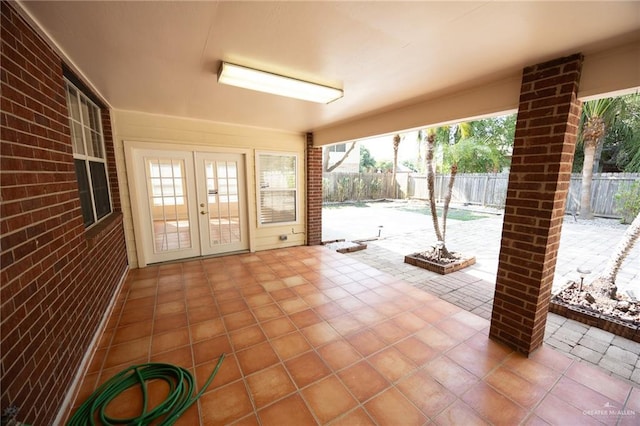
x: 315, y: 337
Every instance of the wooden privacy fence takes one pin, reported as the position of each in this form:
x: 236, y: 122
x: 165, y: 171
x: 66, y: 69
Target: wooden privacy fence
x: 339, y: 187
x: 485, y: 189
x: 603, y: 190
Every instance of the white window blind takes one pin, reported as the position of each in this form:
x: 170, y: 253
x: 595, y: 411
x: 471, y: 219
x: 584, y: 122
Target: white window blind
x: 278, y: 190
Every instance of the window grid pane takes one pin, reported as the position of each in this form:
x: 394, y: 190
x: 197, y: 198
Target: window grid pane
x: 100, y: 189
x: 84, y: 190
x: 224, y: 217
x: 167, y: 187
x: 74, y: 108
x: 170, y: 213
x: 76, y: 132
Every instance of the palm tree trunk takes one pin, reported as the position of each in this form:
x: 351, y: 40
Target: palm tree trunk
x: 597, y: 155
x: 419, y: 139
x: 608, y: 278
x: 587, y: 178
x: 396, y: 145
x: 447, y: 200
x: 431, y: 184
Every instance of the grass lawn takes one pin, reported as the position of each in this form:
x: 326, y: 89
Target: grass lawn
x: 333, y: 206
x: 454, y: 214
x: 421, y: 208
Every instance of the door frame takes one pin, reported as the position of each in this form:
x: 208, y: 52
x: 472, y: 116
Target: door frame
x: 137, y: 200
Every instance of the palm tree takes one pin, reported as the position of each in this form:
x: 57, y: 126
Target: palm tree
x: 447, y: 199
x: 452, y: 132
x: 431, y: 177
x: 440, y: 235
x: 396, y: 144
x: 419, y: 139
x: 462, y: 151
x: 596, y: 116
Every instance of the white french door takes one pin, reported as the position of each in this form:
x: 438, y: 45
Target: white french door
x: 189, y: 204
x: 221, y: 203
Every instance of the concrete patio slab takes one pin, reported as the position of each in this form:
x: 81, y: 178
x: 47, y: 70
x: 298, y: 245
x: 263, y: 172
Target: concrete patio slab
x: 584, y: 244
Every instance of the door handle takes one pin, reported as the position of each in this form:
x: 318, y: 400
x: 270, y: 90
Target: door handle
x: 203, y: 212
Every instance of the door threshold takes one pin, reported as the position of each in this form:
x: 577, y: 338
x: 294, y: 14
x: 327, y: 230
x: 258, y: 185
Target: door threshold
x: 190, y: 259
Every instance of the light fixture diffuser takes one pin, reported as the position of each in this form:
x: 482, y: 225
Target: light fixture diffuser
x: 262, y: 81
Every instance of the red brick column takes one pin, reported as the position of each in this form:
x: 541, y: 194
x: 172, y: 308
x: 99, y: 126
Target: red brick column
x: 546, y: 131
x: 314, y: 193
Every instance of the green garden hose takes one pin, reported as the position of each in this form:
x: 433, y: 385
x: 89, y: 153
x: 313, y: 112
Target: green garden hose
x: 180, y: 398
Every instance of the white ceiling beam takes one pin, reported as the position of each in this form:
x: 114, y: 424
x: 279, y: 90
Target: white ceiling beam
x: 610, y: 72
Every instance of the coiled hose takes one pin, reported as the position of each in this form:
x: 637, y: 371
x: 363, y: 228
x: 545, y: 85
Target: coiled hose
x: 180, y: 398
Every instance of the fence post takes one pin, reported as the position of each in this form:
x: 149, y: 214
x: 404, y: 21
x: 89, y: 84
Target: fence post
x: 486, y: 187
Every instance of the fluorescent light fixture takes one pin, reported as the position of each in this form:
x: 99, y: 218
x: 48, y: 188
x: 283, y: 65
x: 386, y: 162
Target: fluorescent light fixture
x: 262, y: 81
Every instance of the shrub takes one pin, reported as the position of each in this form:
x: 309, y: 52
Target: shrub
x: 628, y: 201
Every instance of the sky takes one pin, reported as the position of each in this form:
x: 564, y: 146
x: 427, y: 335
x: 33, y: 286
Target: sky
x: 381, y: 148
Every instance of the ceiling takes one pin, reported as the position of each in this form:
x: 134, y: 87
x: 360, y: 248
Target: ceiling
x: 162, y: 57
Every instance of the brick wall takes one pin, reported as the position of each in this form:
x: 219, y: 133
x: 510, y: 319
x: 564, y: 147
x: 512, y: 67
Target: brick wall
x: 546, y: 131
x: 314, y: 193
x: 56, y: 279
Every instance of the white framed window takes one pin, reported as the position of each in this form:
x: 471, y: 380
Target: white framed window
x: 277, y: 188
x: 89, y: 156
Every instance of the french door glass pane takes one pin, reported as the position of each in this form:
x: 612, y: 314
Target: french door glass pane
x: 222, y: 189
x: 169, y: 204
